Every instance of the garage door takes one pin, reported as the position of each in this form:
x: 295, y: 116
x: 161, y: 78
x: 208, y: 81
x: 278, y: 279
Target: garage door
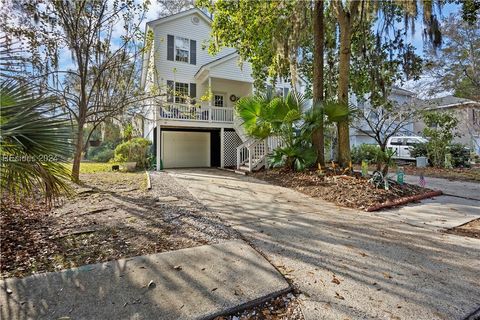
x: 183, y: 149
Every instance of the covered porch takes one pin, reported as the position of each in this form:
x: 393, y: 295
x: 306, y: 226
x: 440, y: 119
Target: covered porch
x: 215, y: 103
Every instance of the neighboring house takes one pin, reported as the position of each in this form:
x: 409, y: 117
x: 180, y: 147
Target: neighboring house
x: 401, y: 98
x: 193, y: 124
x: 468, y: 114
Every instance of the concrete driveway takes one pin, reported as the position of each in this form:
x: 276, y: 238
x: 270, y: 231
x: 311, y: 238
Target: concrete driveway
x: 349, y: 264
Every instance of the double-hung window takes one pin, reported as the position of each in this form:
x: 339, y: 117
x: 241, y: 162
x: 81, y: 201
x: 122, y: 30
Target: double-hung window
x: 181, y: 92
x: 182, y: 49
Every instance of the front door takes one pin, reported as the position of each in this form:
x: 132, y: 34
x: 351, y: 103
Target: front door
x: 219, y: 100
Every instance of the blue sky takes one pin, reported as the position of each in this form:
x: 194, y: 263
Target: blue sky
x: 417, y: 39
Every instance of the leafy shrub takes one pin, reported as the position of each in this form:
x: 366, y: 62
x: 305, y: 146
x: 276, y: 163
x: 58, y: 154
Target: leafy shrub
x: 94, y: 151
x: 440, y: 130
x: 419, y: 150
x: 297, y: 157
x: 460, y: 155
x: 103, y: 156
x: 367, y: 152
x: 134, y: 150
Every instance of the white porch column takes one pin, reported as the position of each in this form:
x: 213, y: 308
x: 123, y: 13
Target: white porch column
x: 157, y: 147
x: 210, y: 100
x: 222, y: 148
x: 209, y: 90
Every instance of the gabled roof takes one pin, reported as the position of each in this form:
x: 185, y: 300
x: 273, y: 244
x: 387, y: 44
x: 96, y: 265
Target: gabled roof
x: 448, y: 102
x: 401, y: 91
x: 185, y: 13
x: 216, y: 62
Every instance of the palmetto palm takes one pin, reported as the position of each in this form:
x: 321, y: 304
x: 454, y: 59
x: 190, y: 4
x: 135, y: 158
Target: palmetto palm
x: 34, y: 141
x: 265, y: 114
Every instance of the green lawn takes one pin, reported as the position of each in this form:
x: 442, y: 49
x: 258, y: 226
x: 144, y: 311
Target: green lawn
x: 93, y: 167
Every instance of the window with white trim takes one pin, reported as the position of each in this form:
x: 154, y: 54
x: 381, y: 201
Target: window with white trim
x: 218, y: 100
x: 181, y: 92
x: 182, y: 49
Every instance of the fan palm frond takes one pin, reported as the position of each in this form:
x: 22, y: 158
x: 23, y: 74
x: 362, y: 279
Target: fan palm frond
x: 34, y: 143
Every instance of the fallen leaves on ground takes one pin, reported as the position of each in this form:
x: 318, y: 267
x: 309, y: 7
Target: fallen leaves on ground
x: 284, y: 307
x: 112, y: 217
x: 349, y: 191
x: 335, y: 280
x: 27, y: 243
x: 470, y: 229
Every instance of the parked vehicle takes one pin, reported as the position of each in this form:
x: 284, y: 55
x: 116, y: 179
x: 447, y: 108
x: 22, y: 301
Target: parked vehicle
x: 402, y: 146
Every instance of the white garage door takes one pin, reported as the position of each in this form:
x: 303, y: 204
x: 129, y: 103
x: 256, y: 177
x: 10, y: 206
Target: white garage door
x: 183, y: 149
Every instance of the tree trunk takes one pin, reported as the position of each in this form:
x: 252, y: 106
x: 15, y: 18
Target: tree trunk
x: 380, y: 162
x: 345, y: 24
x: 78, y: 152
x: 319, y: 40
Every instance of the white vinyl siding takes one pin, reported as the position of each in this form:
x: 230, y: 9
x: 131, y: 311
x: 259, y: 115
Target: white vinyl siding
x: 231, y: 70
x: 185, y: 149
x: 183, y: 28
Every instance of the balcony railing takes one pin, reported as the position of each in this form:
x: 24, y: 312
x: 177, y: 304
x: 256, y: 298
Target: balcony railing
x: 187, y: 112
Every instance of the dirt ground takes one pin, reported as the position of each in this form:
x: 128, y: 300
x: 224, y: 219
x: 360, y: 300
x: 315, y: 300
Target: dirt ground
x: 470, y: 229
x: 112, y: 216
x: 347, y: 191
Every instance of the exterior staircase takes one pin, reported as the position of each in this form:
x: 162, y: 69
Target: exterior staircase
x: 252, y: 153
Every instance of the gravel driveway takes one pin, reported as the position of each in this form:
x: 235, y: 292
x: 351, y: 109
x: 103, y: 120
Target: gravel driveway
x: 348, y: 264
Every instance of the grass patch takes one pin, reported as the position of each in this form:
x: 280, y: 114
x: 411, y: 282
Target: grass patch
x: 94, y: 167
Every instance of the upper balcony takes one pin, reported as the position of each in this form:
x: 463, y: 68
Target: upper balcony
x: 188, y: 115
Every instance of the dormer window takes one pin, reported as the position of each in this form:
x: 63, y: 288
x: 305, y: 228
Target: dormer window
x: 182, y: 49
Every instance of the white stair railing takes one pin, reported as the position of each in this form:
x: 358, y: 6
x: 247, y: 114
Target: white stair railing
x: 252, y: 155
x: 257, y: 154
x: 243, y: 152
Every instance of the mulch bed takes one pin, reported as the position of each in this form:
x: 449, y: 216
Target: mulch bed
x: 470, y: 229
x: 344, y: 190
x: 112, y: 216
x: 471, y: 174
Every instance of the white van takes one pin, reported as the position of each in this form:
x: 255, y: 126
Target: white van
x: 402, y: 145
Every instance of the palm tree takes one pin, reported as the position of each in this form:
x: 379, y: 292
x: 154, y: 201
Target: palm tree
x: 265, y: 115
x: 34, y: 141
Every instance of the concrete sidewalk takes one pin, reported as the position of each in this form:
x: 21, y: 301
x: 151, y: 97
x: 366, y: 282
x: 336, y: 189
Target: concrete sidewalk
x: 349, y: 264
x: 194, y: 283
x: 462, y: 189
x: 459, y: 204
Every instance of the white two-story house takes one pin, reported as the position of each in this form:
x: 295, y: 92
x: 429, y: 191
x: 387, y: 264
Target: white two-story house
x: 193, y: 123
